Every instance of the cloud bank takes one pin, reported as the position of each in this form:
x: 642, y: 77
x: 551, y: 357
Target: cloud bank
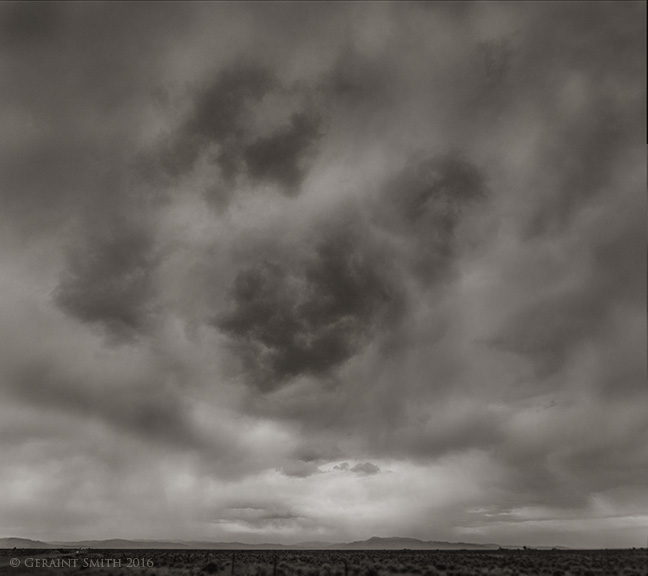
x: 325, y: 271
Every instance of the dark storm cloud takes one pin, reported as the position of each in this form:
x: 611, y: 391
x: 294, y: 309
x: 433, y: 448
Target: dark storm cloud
x: 288, y: 323
x: 279, y: 156
x: 145, y: 412
x: 594, y: 115
x: 433, y: 194
x: 584, y: 142
x: 307, y: 321
x: 357, y: 81
x: 109, y: 280
x: 549, y: 329
x: 577, y: 161
x: 482, y: 158
x: 583, y: 155
x: 75, y: 80
x: 426, y: 202
x: 481, y: 429
x: 218, y: 125
x: 24, y: 24
x: 497, y: 60
x: 217, y: 119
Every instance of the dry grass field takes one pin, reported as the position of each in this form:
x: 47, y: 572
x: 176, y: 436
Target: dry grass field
x: 326, y: 563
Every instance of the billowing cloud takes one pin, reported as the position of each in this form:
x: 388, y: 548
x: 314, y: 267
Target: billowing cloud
x: 323, y: 272
x: 426, y: 202
x: 279, y: 156
x: 287, y: 323
x: 217, y: 119
x: 110, y: 280
x: 241, y: 124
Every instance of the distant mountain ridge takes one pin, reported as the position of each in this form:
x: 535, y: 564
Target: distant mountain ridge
x: 374, y: 543
x: 399, y: 543
x: 23, y: 543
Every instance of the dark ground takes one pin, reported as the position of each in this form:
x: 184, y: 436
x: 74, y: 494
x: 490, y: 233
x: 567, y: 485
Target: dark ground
x: 326, y: 562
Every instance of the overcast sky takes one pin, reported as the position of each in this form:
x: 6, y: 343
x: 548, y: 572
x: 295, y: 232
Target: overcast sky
x: 289, y: 272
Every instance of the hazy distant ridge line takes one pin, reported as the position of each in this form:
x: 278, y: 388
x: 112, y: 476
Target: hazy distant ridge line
x: 374, y: 543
